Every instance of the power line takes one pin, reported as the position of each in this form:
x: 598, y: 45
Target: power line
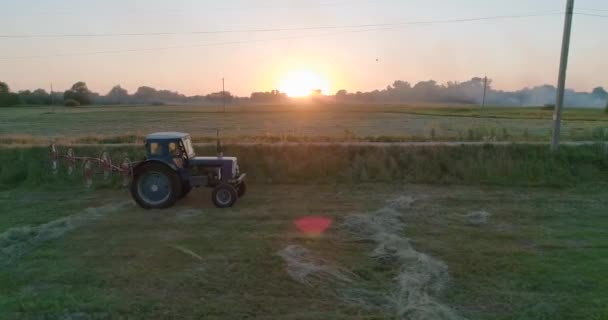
x: 212, y: 44
x: 591, y: 15
x: 237, y: 42
x: 250, y: 8
x: 312, y: 5
x: 146, y: 34
x: 592, y: 9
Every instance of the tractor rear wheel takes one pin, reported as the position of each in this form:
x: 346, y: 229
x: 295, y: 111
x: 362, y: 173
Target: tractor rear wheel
x: 224, y: 195
x: 155, y: 186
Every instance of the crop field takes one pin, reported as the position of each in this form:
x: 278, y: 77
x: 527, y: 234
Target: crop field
x: 387, y: 123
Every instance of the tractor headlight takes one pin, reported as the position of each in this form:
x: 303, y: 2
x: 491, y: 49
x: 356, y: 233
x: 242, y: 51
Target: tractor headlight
x: 235, y: 170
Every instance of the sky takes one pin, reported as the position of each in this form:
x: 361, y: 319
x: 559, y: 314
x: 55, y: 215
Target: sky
x: 515, y: 53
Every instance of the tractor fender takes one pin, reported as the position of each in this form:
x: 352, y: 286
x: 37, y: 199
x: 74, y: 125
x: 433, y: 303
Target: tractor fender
x: 140, y: 165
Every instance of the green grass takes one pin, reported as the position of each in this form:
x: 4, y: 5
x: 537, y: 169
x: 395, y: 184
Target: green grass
x: 511, y: 165
x: 115, y: 124
x: 539, y: 257
x: 570, y: 114
x: 136, y: 271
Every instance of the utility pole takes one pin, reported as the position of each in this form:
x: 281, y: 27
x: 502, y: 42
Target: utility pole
x: 485, y: 90
x: 52, y: 100
x: 561, y: 82
x: 224, y: 95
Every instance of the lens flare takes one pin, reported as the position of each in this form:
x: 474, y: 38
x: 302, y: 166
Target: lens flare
x: 314, y: 225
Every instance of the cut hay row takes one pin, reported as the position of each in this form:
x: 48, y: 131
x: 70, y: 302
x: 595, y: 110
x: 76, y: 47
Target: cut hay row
x: 421, y: 279
x: 305, y: 268
x: 16, y: 242
x: 415, y: 289
x: 188, y: 252
x: 477, y: 218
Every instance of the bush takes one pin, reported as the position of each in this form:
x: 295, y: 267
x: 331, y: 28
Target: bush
x: 9, y: 99
x: 71, y: 103
x: 606, y: 109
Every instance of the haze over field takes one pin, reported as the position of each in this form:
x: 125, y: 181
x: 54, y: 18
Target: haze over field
x: 295, y: 46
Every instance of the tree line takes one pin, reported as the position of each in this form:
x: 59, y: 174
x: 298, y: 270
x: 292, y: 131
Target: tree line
x: 472, y: 92
x: 467, y: 92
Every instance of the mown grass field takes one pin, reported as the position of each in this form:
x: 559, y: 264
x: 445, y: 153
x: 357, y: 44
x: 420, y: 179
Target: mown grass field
x: 111, y: 124
x: 540, y: 256
x: 67, y: 252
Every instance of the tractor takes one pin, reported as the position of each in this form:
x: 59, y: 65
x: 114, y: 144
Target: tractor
x: 171, y: 170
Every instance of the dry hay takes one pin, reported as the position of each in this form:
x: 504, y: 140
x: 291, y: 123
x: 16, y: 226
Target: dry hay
x: 366, y: 298
x: 15, y: 242
x: 188, y: 252
x: 188, y: 214
x: 372, y: 226
x: 401, y: 203
x: 421, y: 278
x: 307, y: 269
x: 478, y: 218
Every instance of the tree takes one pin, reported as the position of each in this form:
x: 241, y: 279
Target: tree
x: 71, y: 103
x: 316, y: 93
x: 7, y: 99
x: 4, y: 88
x: 599, y: 93
x: 273, y: 96
x: 426, y: 91
x: 37, y: 97
x: 402, y: 85
x: 219, y: 97
x: 117, y: 95
x: 79, y: 92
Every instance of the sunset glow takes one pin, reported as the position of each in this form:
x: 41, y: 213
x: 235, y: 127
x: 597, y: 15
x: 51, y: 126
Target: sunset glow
x: 303, y: 83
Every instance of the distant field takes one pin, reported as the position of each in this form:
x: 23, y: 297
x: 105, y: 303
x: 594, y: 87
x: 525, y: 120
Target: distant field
x: 298, y: 123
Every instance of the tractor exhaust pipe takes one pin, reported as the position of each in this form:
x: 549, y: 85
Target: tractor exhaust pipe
x: 220, y: 152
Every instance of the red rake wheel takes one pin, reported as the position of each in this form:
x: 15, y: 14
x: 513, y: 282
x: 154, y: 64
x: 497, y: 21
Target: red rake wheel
x: 54, y: 158
x: 87, y: 173
x: 126, y: 171
x: 70, y: 159
x: 106, y: 164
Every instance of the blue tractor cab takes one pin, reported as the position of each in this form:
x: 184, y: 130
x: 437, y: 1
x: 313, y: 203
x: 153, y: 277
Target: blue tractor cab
x: 171, y: 170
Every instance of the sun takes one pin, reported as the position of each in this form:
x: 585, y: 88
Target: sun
x: 302, y: 83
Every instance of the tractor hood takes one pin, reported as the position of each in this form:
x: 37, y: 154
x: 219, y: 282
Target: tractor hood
x: 213, y: 160
x: 228, y: 164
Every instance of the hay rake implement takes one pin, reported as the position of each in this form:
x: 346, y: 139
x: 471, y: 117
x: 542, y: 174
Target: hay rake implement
x: 91, y: 165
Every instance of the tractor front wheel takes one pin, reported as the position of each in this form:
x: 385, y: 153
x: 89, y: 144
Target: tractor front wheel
x: 224, y: 196
x: 156, y: 186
